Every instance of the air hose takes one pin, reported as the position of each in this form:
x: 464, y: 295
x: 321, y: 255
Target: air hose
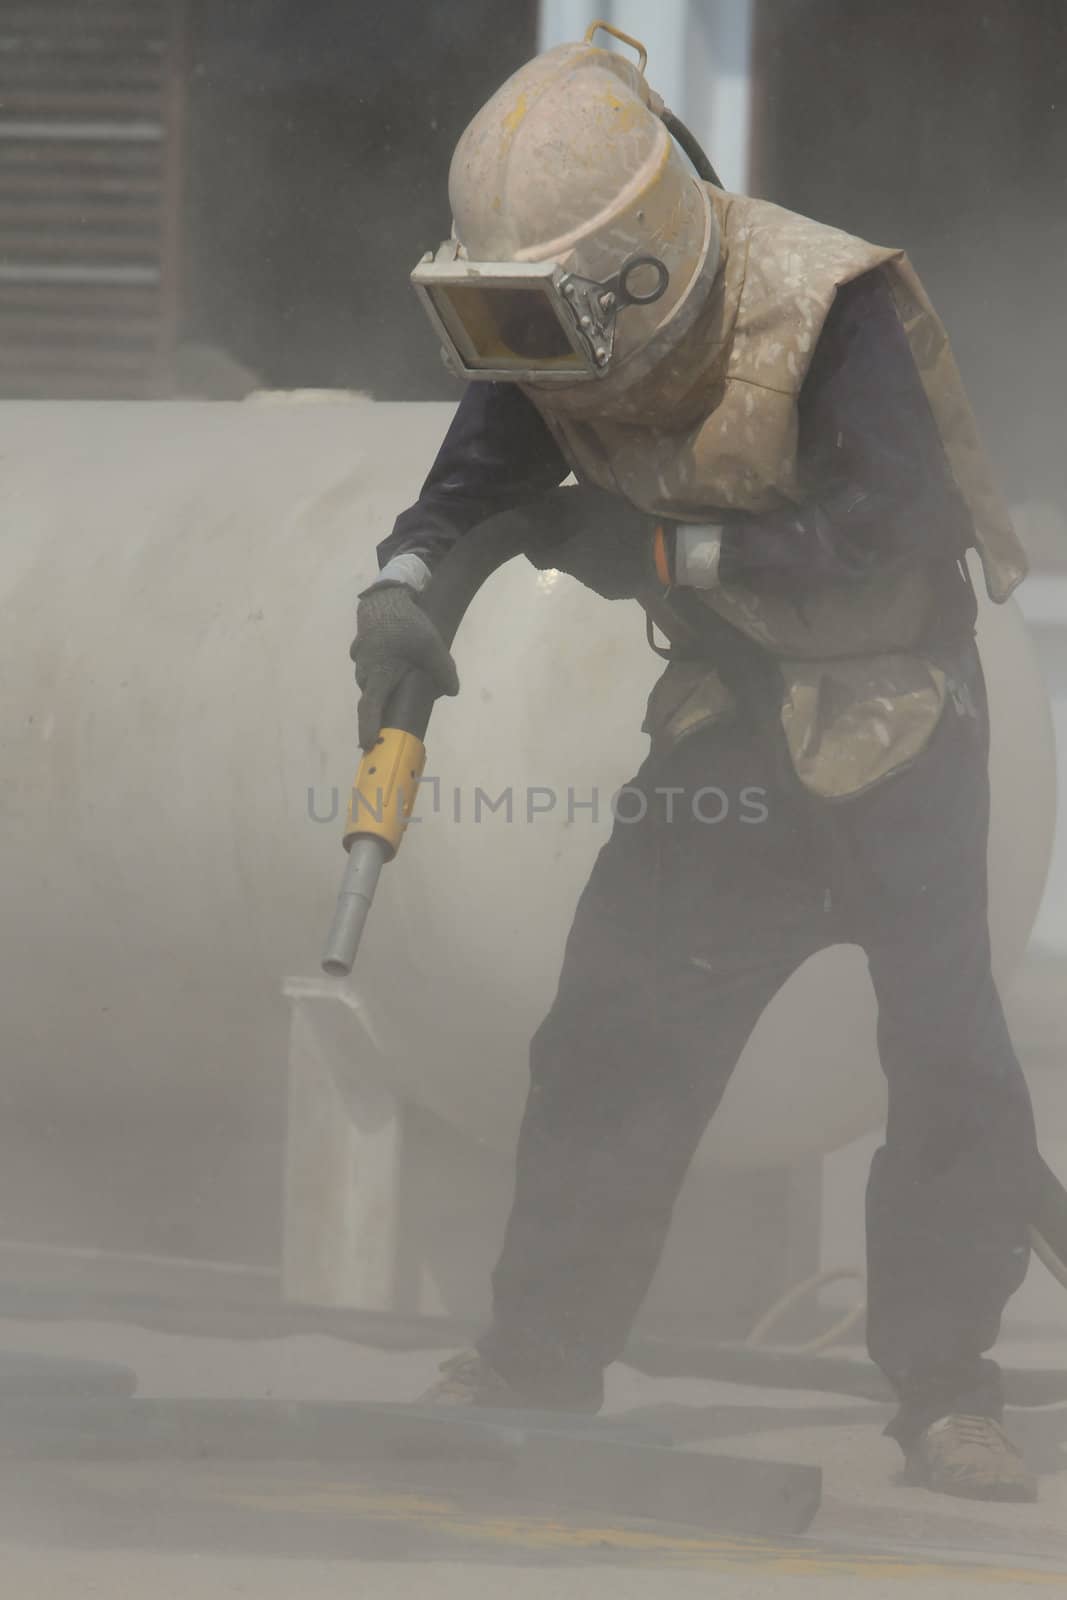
x: 675, y: 125
x: 692, y: 147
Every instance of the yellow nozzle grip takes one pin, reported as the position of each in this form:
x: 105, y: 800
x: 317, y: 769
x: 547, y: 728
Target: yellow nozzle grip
x: 386, y: 787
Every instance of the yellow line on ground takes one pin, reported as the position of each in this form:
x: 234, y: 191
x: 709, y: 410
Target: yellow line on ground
x: 533, y: 1533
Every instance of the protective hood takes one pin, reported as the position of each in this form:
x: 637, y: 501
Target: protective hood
x: 584, y: 245
x: 715, y: 425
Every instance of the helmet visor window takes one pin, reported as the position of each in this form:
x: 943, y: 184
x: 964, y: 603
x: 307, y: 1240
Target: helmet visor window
x: 498, y: 327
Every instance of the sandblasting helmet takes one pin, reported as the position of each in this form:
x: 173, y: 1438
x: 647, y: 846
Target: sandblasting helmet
x: 584, y: 245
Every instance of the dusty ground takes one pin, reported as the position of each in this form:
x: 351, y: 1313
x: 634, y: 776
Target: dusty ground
x: 153, y: 1530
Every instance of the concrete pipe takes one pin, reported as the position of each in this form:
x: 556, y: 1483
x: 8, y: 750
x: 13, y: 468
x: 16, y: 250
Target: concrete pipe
x: 178, y: 586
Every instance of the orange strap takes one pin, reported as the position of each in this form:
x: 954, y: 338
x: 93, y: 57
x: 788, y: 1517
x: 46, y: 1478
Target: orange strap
x: 659, y: 556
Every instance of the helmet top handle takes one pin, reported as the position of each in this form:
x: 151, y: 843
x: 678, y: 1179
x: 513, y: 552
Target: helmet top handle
x: 623, y: 38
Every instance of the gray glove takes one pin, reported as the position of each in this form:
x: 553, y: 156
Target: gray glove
x: 394, y: 635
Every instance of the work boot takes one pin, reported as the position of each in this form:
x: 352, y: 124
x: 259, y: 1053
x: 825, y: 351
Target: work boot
x: 971, y: 1457
x: 468, y: 1380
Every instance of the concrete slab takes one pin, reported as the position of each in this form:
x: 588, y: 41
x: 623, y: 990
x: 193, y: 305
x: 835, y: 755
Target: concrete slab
x: 505, y: 1464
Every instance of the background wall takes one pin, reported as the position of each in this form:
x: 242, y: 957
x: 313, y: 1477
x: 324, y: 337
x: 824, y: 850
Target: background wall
x: 941, y: 128
x: 319, y: 137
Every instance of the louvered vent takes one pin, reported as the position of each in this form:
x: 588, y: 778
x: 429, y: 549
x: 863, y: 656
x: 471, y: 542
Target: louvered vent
x: 90, y: 92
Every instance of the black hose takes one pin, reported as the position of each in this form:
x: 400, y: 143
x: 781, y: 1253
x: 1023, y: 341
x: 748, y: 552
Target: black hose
x: 556, y: 516
x: 692, y: 147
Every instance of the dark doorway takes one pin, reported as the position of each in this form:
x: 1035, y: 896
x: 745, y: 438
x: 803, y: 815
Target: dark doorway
x: 319, y: 138
x: 942, y: 128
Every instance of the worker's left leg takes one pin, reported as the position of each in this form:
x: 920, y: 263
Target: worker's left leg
x: 951, y: 1192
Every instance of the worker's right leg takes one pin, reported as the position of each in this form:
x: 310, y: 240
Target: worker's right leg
x: 684, y: 933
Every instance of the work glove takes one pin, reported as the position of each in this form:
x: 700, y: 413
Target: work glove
x: 610, y: 550
x: 394, y: 636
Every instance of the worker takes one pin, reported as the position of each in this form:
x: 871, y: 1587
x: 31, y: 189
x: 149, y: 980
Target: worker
x: 773, y: 414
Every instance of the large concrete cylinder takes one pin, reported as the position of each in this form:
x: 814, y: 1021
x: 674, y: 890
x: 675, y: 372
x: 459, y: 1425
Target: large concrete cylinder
x: 178, y: 587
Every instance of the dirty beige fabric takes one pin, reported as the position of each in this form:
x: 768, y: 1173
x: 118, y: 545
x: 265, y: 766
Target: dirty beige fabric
x: 725, y: 402
x: 848, y: 723
x: 689, y: 696
x: 725, y: 438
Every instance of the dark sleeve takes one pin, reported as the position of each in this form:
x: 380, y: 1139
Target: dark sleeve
x: 496, y: 454
x: 870, y: 456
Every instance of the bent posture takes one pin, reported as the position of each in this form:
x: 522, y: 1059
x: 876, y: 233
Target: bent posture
x: 798, y: 480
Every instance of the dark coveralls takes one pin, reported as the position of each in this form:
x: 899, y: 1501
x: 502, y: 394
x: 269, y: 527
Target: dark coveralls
x: 688, y: 927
